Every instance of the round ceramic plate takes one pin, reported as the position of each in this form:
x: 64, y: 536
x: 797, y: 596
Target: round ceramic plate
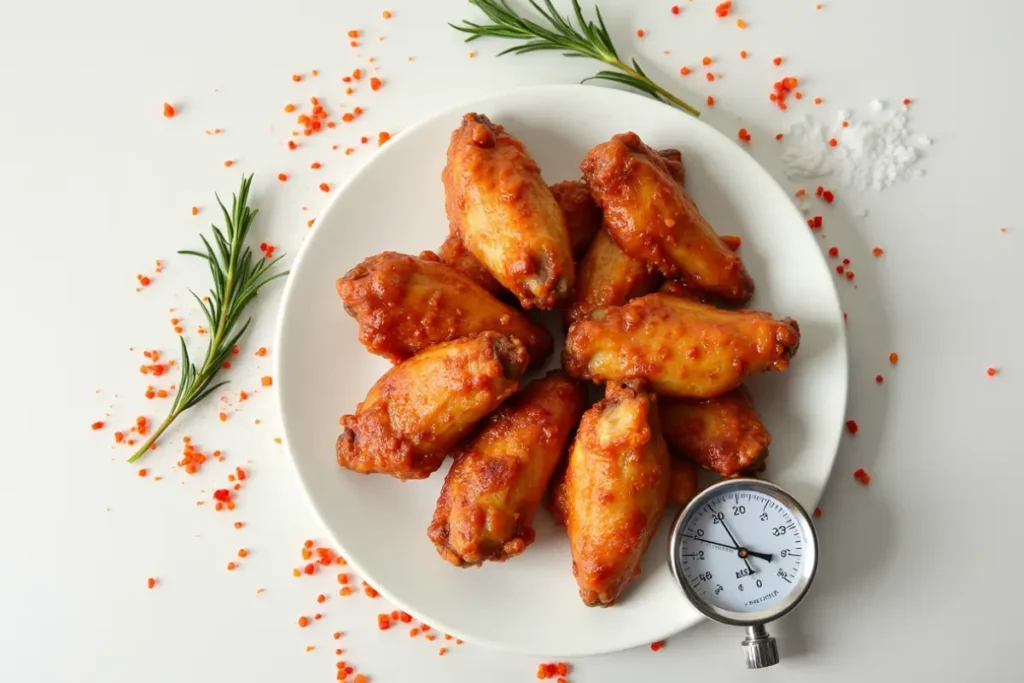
x: 396, y: 202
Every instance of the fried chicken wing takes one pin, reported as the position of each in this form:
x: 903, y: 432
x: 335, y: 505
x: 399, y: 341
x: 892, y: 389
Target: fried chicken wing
x: 616, y: 489
x: 673, y: 160
x: 682, y: 347
x: 405, y: 304
x: 505, y: 214
x: 606, y: 276
x: 454, y: 253
x: 723, y: 434
x: 684, y: 484
x: 416, y: 412
x: 654, y: 220
x: 494, y: 487
x: 582, y: 217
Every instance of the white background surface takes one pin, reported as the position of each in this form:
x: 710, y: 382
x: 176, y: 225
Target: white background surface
x: 918, y: 571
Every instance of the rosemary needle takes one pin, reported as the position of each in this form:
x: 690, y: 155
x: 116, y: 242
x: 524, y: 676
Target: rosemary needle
x: 237, y: 278
x: 588, y: 39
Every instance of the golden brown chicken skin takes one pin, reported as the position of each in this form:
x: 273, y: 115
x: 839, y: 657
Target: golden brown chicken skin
x: 582, y: 217
x: 495, y: 485
x: 682, y: 347
x: 683, y: 486
x: 416, y: 412
x: 724, y: 434
x: 673, y: 160
x: 505, y: 214
x: 405, y: 304
x: 616, y: 488
x: 454, y: 253
x: 606, y: 276
x: 654, y: 220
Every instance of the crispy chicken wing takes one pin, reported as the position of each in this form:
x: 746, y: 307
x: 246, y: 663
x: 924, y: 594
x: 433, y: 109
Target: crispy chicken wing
x: 405, y: 304
x: 419, y: 409
x: 723, y: 434
x: 493, y: 489
x: 454, y: 253
x: 606, y: 276
x: 616, y: 489
x: 582, y: 217
x: 505, y: 214
x: 673, y: 160
x: 684, y: 484
x: 682, y: 347
x: 654, y: 220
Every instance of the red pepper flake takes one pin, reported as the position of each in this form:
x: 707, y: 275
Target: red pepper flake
x: 640, y: 33
x: 743, y: 135
x: 383, y: 622
x: 833, y: 142
x: 375, y: 83
x: 370, y: 592
x: 657, y: 646
x: 862, y: 476
x: 877, y: 251
x: 404, y: 617
x: 685, y: 71
x: 292, y: 144
x: 722, y: 10
x: 315, y: 165
x: 195, y: 210
x: 243, y: 553
x: 817, y: 512
x: 296, y: 77
x: 345, y: 592
x: 324, y: 187
x: 303, y: 622
x: 222, y: 495
x: 833, y: 251
x: 778, y: 136
x: 827, y: 195
x: 282, y: 177
x: 150, y: 583
x: 711, y: 101
x: 815, y: 222
x: 840, y: 269
x: 777, y: 61
x: 906, y: 102
x: 846, y: 124
x: 743, y: 54
x: 817, y: 100
x: 852, y: 426
x: 337, y: 635
x: 709, y: 76
x: 879, y: 379
x: 706, y: 61
x: 383, y: 137
x: 354, y: 33
x: 799, y: 95
x: 442, y: 651
x: 741, y: 25
x: 232, y: 566
x: 849, y: 275
x: 676, y: 9
x: 894, y: 358
x: 223, y: 417
x: 991, y: 372
x: 98, y: 425
x: 168, y: 110
x: 387, y: 14
x: 229, y: 163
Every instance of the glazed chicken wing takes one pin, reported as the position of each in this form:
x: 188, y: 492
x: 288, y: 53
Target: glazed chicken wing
x: 582, y: 217
x: 606, y: 276
x: 405, y: 304
x: 684, y: 484
x: 673, y: 160
x: 723, y: 434
x: 505, y: 214
x: 682, y: 347
x: 419, y: 409
x: 493, y: 489
x: 654, y: 220
x: 616, y: 488
x: 454, y: 253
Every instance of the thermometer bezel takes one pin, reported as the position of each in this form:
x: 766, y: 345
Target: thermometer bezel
x: 808, y: 568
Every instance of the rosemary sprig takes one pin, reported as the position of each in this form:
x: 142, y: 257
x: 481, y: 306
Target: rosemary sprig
x: 588, y: 40
x: 237, y: 278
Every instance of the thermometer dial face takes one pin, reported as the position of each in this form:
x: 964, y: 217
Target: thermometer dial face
x: 744, y: 551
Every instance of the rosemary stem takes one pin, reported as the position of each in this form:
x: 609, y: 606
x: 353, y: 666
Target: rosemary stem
x: 661, y: 91
x: 156, y: 434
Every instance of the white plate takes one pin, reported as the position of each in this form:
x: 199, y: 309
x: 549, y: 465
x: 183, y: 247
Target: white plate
x: 530, y: 603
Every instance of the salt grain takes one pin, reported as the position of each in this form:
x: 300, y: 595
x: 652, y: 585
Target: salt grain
x: 872, y: 153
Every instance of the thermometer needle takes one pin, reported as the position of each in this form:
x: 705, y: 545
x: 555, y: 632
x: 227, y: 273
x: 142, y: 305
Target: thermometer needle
x: 764, y: 556
x: 742, y: 552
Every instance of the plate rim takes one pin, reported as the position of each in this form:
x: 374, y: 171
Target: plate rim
x: 469, y: 104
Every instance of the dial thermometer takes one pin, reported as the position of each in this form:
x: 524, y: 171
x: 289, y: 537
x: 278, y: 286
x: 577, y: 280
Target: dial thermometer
x: 745, y: 553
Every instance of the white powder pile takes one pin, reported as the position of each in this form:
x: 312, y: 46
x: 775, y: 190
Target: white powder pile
x: 872, y: 152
